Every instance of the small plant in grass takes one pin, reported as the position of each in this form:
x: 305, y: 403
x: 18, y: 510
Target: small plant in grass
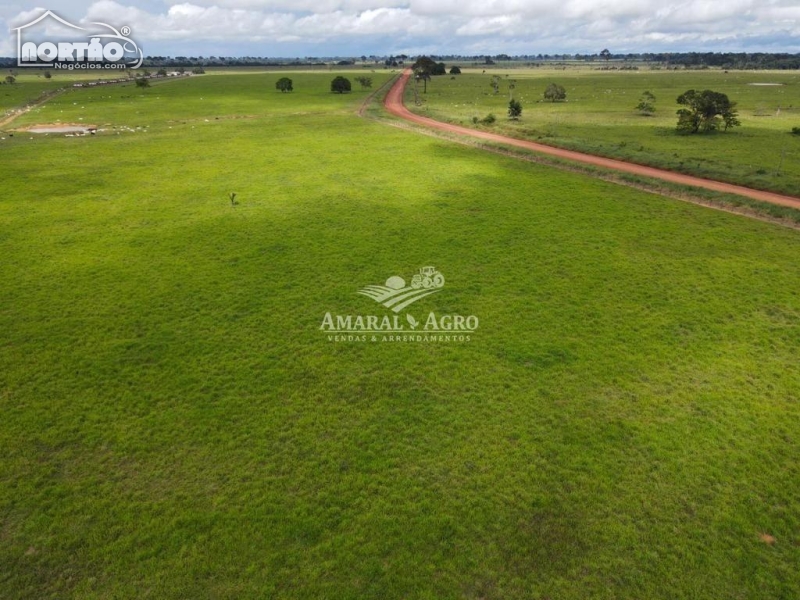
x: 232, y: 196
x: 796, y: 130
x: 514, y: 109
x: 141, y: 82
x: 366, y: 82
x: 10, y: 79
x: 488, y: 119
x: 47, y: 75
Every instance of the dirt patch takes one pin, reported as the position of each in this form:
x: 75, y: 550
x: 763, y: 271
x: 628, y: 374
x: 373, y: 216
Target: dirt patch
x: 59, y: 128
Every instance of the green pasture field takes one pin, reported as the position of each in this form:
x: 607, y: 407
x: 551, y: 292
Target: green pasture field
x: 599, y: 117
x: 623, y: 424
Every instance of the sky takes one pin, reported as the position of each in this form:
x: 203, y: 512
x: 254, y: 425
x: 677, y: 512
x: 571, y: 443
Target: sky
x: 352, y: 28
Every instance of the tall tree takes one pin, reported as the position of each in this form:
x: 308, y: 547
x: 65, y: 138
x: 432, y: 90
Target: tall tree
x: 706, y: 111
x: 423, y: 69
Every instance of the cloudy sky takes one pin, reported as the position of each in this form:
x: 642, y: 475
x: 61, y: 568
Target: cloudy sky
x: 289, y: 28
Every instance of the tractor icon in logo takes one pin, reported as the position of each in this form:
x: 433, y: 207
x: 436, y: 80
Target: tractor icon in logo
x: 427, y: 277
x: 396, y: 295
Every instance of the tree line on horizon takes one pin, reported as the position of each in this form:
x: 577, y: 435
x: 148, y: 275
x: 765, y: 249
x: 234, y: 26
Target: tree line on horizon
x: 727, y: 60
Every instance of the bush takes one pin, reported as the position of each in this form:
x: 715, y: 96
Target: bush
x: 796, y: 130
x: 514, y: 109
x: 341, y: 84
x: 489, y: 119
x: 142, y: 82
x: 555, y: 92
x: 284, y: 84
x: 198, y: 71
x: 455, y: 71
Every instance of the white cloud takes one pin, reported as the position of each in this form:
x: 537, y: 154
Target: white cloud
x: 513, y: 26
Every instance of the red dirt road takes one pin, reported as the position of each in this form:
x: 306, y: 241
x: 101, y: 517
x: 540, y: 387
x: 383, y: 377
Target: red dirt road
x: 394, y: 104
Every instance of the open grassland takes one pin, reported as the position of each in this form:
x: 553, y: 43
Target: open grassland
x: 624, y: 423
x: 599, y: 117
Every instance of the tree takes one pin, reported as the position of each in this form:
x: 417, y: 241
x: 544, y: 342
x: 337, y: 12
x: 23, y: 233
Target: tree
x: 555, y: 92
x: 423, y: 69
x: 514, y: 109
x: 340, y: 84
x: 366, y: 82
x: 605, y: 54
x: 142, y: 82
x: 439, y: 69
x: 10, y: 79
x: 646, y: 104
x: 455, y: 71
x: 495, y: 83
x: 162, y: 72
x: 198, y: 71
x: 706, y: 111
x: 512, y: 85
x: 284, y: 84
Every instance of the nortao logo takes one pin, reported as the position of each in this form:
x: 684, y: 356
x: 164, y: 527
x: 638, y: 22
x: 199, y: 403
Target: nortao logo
x: 108, y: 48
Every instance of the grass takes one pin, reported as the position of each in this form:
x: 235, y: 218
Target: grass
x: 624, y: 423
x: 599, y: 117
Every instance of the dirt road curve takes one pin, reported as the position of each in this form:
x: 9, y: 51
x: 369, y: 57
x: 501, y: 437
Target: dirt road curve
x: 394, y: 104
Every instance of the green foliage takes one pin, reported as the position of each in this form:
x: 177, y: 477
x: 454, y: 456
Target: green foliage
x: 555, y: 92
x: 141, y: 82
x: 366, y: 82
x: 514, y: 109
x: 423, y: 69
x: 603, y: 116
x: 646, y: 104
x: 796, y: 130
x: 175, y: 426
x: 495, y: 83
x: 455, y: 70
x: 162, y: 72
x: 47, y: 75
x: 340, y: 85
x: 199, y: 70
x: 439, y: 69
x: 284, y: 84
x: 489, y: 119
x: 10, y: 79
x: 706, y: 111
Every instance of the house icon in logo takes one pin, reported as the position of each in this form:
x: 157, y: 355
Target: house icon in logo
x: 24, y: 57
